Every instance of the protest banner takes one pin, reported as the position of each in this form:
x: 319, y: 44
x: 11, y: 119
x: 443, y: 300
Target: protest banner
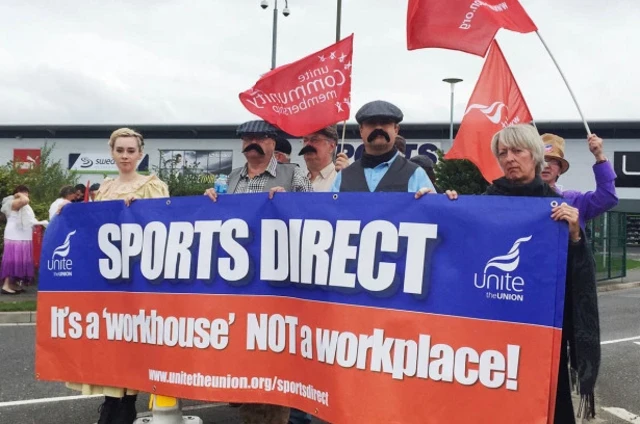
x: 412, y: 311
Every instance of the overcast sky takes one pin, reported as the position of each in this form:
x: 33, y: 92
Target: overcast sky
x: 185, y: 61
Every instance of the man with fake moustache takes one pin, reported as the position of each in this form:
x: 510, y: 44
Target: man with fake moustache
x: 262, y: 172
x: 382, y: 168
x: 318, y: 151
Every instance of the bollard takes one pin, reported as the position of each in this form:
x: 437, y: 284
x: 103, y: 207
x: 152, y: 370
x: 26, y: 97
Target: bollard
x: 166, y: 410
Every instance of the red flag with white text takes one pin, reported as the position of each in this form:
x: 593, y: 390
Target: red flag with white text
x: 496, y: 102
x: 307, y: 95
x: 465, y: 25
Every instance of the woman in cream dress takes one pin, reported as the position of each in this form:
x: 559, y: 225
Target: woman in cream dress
x: 126, y: 149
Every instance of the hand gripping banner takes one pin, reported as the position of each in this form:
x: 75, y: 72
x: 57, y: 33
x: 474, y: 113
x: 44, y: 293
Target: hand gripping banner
x: 412, y: 311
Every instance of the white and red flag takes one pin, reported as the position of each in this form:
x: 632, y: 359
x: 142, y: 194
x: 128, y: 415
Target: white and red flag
x: 307, y: 95
x: 496, y: 102
x: 466, y: 25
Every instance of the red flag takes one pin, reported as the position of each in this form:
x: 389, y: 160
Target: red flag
x: 465, y: 25
x: 496, y: 103
x: 307, y: 95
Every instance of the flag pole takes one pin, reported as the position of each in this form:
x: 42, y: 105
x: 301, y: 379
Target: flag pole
x: 584, y: 121
x: 344, y: 131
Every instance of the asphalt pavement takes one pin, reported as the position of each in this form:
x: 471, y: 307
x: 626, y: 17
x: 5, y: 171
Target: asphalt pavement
x: 23, y: 399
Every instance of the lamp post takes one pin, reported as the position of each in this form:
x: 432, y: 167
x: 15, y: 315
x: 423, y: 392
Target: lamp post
x: 452, y: 82
x: 274, y: 35
x: 338, y: 20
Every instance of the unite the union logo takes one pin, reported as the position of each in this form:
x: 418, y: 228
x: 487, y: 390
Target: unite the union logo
x: 62, y: 266
x: 502, y: 284
x: 493, y: 112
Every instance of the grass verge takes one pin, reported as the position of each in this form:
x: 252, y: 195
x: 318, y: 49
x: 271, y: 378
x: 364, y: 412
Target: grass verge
x: 18, y: 306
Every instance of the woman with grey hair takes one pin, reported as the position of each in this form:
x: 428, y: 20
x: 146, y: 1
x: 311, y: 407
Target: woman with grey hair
x: 520, y: 153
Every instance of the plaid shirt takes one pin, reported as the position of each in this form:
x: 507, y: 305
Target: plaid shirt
x: 256, y: 184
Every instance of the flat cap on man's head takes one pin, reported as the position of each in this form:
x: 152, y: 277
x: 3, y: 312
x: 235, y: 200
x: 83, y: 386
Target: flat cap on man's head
x: 257, y: 127
x: 379, y: 109
x: 283, y: 145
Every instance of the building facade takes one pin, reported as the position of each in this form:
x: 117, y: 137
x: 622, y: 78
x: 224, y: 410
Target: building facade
x: 215, y: 149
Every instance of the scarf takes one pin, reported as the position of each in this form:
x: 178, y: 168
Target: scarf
x: 371, y: 161
x: 581, y: 326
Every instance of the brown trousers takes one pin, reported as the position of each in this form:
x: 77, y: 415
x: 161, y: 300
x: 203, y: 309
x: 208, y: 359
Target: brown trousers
x: 260, y: 413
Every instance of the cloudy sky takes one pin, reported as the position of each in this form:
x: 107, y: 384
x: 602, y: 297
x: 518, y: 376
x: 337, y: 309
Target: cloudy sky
x: 185, y: 61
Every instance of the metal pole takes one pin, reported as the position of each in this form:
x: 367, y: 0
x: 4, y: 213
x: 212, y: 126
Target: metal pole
x: 338, y: 20
x: 584, y: 121
x: 451, y: 120
x: 274, y: 36
x: 452, y: 82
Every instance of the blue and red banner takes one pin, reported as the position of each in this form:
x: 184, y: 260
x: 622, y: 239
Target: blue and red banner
x: 353, y: 307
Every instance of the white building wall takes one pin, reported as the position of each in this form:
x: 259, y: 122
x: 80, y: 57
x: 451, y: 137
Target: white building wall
x: 579, y: 177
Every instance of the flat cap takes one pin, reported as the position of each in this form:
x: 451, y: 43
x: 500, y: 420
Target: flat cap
x: 283, y: 145
x: 256, y: 127
x: 379, y: 109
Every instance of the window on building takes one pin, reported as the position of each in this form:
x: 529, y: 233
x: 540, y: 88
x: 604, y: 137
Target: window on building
x: 212, y: 162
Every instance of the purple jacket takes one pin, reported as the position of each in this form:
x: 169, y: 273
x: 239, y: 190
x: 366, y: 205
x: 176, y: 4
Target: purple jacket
x: 594, y: 203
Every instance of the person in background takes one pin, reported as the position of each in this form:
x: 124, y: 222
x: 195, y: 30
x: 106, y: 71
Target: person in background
x: 318, y: 150
x: 93, y: 190
x: 127, y: 146
x: 426, y: 163
x: 401, y: 144
x: 80, y: 190
x: 592, y: 203
x: 520, y: 154
x: 67, y: 195
x: 17, y: 257
x: 282, y: 152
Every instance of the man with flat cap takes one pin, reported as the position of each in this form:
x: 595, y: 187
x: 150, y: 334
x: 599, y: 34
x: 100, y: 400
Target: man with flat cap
x: 262, y: 172
x: 381, y: 167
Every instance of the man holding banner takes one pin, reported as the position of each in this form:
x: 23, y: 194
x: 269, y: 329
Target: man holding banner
x: 318, y: 151
x: 263, y: 173
x: 381, y: 167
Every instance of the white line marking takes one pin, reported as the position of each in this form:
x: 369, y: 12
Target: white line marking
x: 628, y: 339
x: 83, y: 397
x: 624, y: 414
x: 45, y: 400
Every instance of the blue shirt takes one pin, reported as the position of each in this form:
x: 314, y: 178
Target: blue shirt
x: 418, y: 180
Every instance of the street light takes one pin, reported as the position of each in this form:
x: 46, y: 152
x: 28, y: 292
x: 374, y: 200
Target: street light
x: 274, y: 37
x: 452, y: 82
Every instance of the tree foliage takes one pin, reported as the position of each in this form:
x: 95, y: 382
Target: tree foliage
x: 460, y: 175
